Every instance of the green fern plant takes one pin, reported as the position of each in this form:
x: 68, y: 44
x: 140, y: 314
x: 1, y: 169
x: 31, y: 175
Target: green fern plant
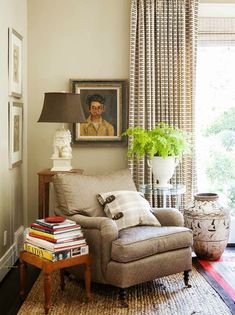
x: 164, y: 140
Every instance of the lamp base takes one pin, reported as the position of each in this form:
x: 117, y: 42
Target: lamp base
x: 61, y: 164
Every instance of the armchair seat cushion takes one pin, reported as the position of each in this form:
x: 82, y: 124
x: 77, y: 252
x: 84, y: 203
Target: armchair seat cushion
x: 143, y: 241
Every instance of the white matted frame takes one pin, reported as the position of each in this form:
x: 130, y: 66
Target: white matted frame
x: 15, y: 63
x: 15, y: 133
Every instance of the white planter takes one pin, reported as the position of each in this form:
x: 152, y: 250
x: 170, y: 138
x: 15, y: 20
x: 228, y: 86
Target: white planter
x: 163, y: 169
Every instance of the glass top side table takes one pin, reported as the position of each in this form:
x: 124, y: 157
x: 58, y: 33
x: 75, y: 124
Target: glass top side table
x: 175, y: 190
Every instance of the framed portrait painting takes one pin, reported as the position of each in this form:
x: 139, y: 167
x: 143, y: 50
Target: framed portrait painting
x: 15, y: 63
x: 15, y: 133
x: 105, y: 107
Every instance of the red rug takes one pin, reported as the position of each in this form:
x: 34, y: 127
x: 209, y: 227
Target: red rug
x: 221, y: 276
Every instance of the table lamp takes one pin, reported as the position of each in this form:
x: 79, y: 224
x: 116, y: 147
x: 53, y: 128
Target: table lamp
x: 64, y: 108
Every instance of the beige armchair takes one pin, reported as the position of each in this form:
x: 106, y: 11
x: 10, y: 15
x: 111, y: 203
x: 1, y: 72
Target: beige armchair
x: 130, y: 256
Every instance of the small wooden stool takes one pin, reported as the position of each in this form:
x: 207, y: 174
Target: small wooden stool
x: 48, y: 267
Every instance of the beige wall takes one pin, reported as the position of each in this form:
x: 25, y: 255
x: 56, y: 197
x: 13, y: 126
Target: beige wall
x: 72, y: 39
x: 13, y: 14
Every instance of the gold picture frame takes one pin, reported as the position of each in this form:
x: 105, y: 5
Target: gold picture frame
x: 110, y: 99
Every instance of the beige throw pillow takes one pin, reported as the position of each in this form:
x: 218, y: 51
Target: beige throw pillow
x: 127, y: 208
x: 77, y: 193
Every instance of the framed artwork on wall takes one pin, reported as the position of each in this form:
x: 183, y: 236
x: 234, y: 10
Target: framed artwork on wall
x: 15, y: 49
x: 105, y: 107
x: 15, y: 133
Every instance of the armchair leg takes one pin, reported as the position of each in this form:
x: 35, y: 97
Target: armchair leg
x: 122, y: 297
x: 186, y: 278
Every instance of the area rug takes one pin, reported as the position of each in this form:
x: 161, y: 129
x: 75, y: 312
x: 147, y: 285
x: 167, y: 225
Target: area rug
x: 221, y: 276
x: 165, y: 296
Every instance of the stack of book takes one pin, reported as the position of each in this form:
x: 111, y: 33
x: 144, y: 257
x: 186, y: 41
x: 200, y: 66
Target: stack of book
x: 55, y: 241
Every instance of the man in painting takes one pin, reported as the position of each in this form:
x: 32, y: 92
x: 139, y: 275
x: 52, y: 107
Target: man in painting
x: 96, y: 125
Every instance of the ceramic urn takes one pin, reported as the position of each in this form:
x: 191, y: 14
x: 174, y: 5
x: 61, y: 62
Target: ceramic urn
x: 210, y: 223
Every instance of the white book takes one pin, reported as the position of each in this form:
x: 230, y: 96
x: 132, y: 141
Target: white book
x: 52, y: 246
x: 65, y: 223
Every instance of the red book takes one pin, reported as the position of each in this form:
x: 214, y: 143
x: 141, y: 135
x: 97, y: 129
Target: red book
x: 46, y: 229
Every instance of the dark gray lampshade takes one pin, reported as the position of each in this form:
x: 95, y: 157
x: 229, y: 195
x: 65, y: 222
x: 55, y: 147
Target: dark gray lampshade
x: 62, y: 107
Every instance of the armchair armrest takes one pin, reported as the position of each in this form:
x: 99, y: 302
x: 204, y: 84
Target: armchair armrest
x: 106, y: 226
x: 169, y: 216
x: 99, y: 232
x: 93, y: 222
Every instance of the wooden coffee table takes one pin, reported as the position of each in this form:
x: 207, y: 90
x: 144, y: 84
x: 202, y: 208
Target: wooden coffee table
x: 48, y: 267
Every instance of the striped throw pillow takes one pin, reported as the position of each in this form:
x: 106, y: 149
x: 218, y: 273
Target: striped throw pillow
x: 127, y: 208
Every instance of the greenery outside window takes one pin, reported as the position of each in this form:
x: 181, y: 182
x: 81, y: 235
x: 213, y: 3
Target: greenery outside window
x: 215, y: 109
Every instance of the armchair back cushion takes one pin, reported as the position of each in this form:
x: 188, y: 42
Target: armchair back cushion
x: 77, y: 193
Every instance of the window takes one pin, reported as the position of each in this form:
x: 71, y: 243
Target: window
x: 215, y: 108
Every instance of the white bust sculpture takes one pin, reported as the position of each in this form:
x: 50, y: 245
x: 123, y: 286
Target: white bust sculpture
x: 62, y: 148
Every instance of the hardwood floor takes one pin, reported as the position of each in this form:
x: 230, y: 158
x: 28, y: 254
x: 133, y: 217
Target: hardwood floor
x: 10, y: 300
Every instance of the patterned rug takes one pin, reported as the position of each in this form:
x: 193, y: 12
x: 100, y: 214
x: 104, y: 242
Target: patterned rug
x: 221, y: 276
x: 165, y: 296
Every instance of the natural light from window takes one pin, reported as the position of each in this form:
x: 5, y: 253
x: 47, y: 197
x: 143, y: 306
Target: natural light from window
x: 215, y: 120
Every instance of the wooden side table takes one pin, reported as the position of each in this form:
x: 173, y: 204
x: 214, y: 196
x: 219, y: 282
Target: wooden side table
x: 44, y: 179
x: 48, y: 267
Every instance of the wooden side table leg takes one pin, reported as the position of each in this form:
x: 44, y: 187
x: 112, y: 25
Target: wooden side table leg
x: 23, y: 277
x: 46, y: 201
x: 62, y: 283
x: 47, y: 291
x: 88, y: 281
x: 41, y: 197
